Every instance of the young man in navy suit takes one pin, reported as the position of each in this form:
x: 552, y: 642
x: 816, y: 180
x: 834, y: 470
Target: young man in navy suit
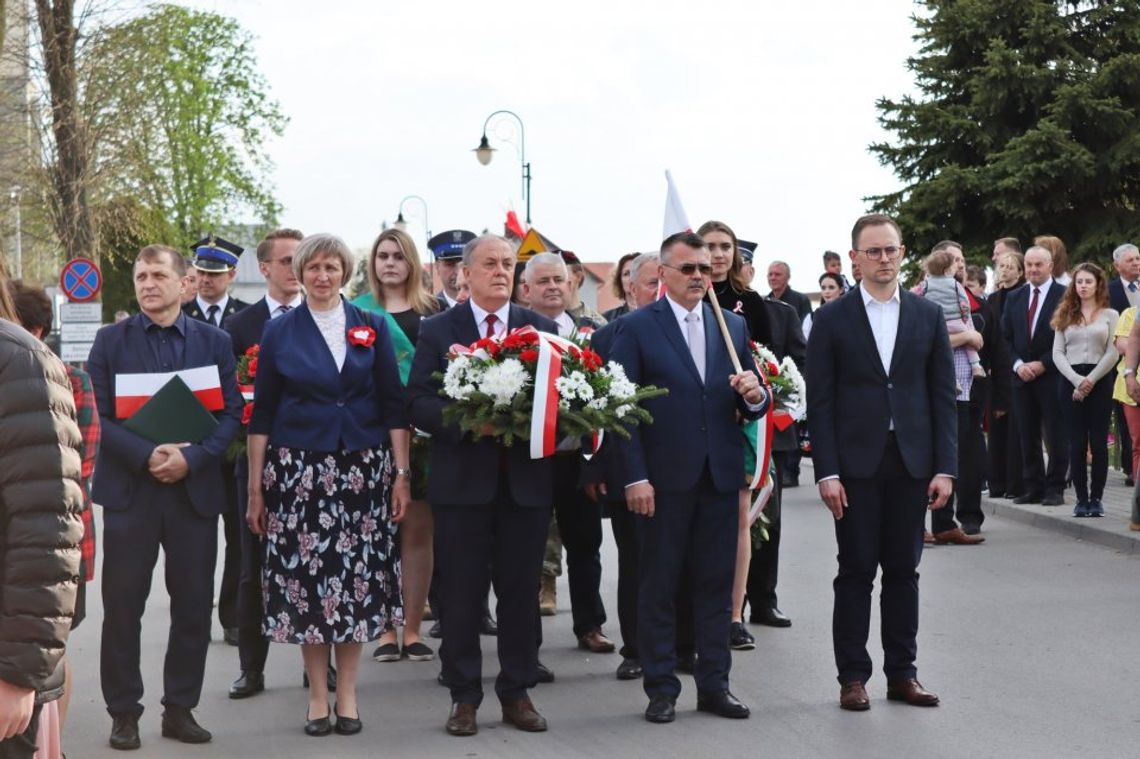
x: 882, y: 417
x: 283, y: 293
x: 491, y: 504
x: 683, y: 474
x: 166, y: 495
x: 1026, y: 328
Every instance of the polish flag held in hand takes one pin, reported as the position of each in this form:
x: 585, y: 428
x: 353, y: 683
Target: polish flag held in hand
x: 676, y: 220
x: 132, y: 391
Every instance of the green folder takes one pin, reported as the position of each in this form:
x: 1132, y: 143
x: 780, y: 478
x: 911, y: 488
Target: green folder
x: 173, y: 415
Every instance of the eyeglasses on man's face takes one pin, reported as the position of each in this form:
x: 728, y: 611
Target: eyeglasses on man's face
x: 890, y: 253
x: 690, y: 269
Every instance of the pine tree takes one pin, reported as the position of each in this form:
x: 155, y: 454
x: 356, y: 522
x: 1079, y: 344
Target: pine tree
x: 1026, y: 123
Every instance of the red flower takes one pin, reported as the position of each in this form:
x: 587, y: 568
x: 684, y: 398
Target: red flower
x: 247, y: 413
x: 575, y: 352
x: 528, y: 356
x: 251, y: 367
x: 773, y: 369
x: 591, y: 360
x: 361, y: 336
x: 485, y: 343
x: 253, y: 350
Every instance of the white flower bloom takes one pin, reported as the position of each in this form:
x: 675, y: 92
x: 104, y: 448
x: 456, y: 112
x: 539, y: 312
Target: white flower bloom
x: 598, y: 404
x: 502, y: 382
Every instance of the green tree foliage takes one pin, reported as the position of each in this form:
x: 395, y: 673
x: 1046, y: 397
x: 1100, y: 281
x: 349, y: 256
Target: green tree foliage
x: 1025, y: 122
x: 183, y: 117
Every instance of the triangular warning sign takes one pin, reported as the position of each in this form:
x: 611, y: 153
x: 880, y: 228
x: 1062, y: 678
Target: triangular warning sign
x: 531, y: 245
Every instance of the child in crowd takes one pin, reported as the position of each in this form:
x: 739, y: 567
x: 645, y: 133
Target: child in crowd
x: 941, y: 287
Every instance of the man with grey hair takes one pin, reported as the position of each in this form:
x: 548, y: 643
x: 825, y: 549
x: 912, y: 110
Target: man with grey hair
x: 779, y: 275
x: 578, y: 519
x: 1026, y: 328
x: 491, y: 504
x: 1124, y: 293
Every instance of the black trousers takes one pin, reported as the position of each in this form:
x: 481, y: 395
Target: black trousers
x: 1087, y: 422
x: 22, y: 746
x: 1123, y: 436
x: 1034, y: 406
x: 161, y: 515
x: 966, y: 501
x: 253, y: 645
x: 580, y: 525
x: 625, y: 536
x: 1005, y: 466
x: 763, y: 570
x: 691, y: 533
x: 233, y: 519
x: 501, y: 542
x: 882, y: 527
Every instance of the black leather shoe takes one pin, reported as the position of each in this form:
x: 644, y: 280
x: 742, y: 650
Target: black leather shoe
x: 1053, y: 499
x: 739, y: 639
x: 435, y: 631
x: 770, y: 616
x: 489, y: 627
x: 661, y: 710
x: 230, y: 635
x: 1027, y: 498
x: 722, y: 704
x: 125, y: 733
x: 545, y: 675
x: 249, y: 684
x: 629, y: 669
x: 178, y: 722
x: 318, y: 728
x: 347, y: 725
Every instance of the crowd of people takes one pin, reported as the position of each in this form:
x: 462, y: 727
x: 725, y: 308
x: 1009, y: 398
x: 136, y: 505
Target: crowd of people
x: 355, y: 510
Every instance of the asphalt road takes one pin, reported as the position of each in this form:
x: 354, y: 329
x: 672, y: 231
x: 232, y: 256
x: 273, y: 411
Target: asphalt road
x: 1030, y: 639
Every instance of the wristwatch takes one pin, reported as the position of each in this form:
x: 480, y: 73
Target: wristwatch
x: 403, y: 472
x: 1129, y: 372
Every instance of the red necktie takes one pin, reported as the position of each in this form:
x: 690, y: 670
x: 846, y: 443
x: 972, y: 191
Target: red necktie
x: 1033, y: 311
x: 492, y: 320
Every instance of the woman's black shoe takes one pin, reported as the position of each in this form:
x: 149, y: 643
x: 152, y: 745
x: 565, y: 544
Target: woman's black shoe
x: 347, y: 725
x: 318, y: 727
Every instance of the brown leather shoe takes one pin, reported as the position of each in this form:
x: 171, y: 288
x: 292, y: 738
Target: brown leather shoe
x: 927, y: 538
x: 853, y: 697
x: 596, y: 642
x: 957, y: 537
x: 462, y: 720
x: 912, y: 692
x: 524, y: 716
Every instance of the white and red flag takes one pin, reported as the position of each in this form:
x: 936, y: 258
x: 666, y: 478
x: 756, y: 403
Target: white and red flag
x: 676, y: 220
x: 132, y: 391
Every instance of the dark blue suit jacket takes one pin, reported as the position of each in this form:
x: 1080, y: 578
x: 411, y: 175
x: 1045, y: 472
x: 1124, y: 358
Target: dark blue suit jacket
x: 695, y: 425
x: 607, y: 465
x: 462, y: 471
x: 1117, y: 298
x: 122, y: 349
x: 1015, y: 329
x: 302, y: 401
x: 851, y: 400
x: 245, y: 327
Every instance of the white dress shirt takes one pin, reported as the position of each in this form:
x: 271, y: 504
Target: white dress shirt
x: 274, y: 306
x: 204, y: 306
x: 481, y: 318
x: 566, y: 325
x: 680, y: 313
x: 884, y: 319
x: 1044, y: 288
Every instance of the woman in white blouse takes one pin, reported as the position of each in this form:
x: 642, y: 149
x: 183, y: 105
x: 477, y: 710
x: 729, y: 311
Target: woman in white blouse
x: 1085, y: 355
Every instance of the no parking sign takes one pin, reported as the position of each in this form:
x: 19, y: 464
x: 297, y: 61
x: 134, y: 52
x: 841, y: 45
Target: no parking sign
x: 81, y: 280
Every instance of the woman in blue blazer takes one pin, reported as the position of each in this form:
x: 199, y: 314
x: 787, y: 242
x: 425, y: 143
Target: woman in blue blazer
x: 328, y: 478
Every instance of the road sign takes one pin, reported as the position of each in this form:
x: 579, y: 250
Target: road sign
x: 81, y: 280
x: 78, y: 332
x: 81, y: 312
x: 74, y: 352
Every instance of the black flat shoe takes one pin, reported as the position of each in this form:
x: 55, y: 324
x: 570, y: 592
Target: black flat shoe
x: 545, y: 675
x: 435, y: 631
x: 347, y: 725
x: 629, y: 669
x: 660, y: 710
x: 178, y: 723
x: 722, y: 704
x: 125, y: 733
x: 249, y: 684
x: 739, y: 639
x: 770, y: 616
x: 318, y: 728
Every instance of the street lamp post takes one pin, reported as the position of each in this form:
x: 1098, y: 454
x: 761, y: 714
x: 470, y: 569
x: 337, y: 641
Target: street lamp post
x: 401, y: 223
x: 485, y: 152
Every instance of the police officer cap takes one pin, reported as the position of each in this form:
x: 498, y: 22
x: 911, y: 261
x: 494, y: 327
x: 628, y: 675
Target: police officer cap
x: 746, y: 249
x: 213, y: 254
x: 448, y: 246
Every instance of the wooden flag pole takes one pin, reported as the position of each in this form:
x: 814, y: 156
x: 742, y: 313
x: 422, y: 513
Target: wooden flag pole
x: 724, y: 330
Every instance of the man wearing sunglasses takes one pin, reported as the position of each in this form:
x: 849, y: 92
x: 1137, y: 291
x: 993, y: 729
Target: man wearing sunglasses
x: 883, y: 422
x: 682, y: 473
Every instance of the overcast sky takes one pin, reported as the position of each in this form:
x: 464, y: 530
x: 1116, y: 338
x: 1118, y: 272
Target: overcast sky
x: 762, y: 110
